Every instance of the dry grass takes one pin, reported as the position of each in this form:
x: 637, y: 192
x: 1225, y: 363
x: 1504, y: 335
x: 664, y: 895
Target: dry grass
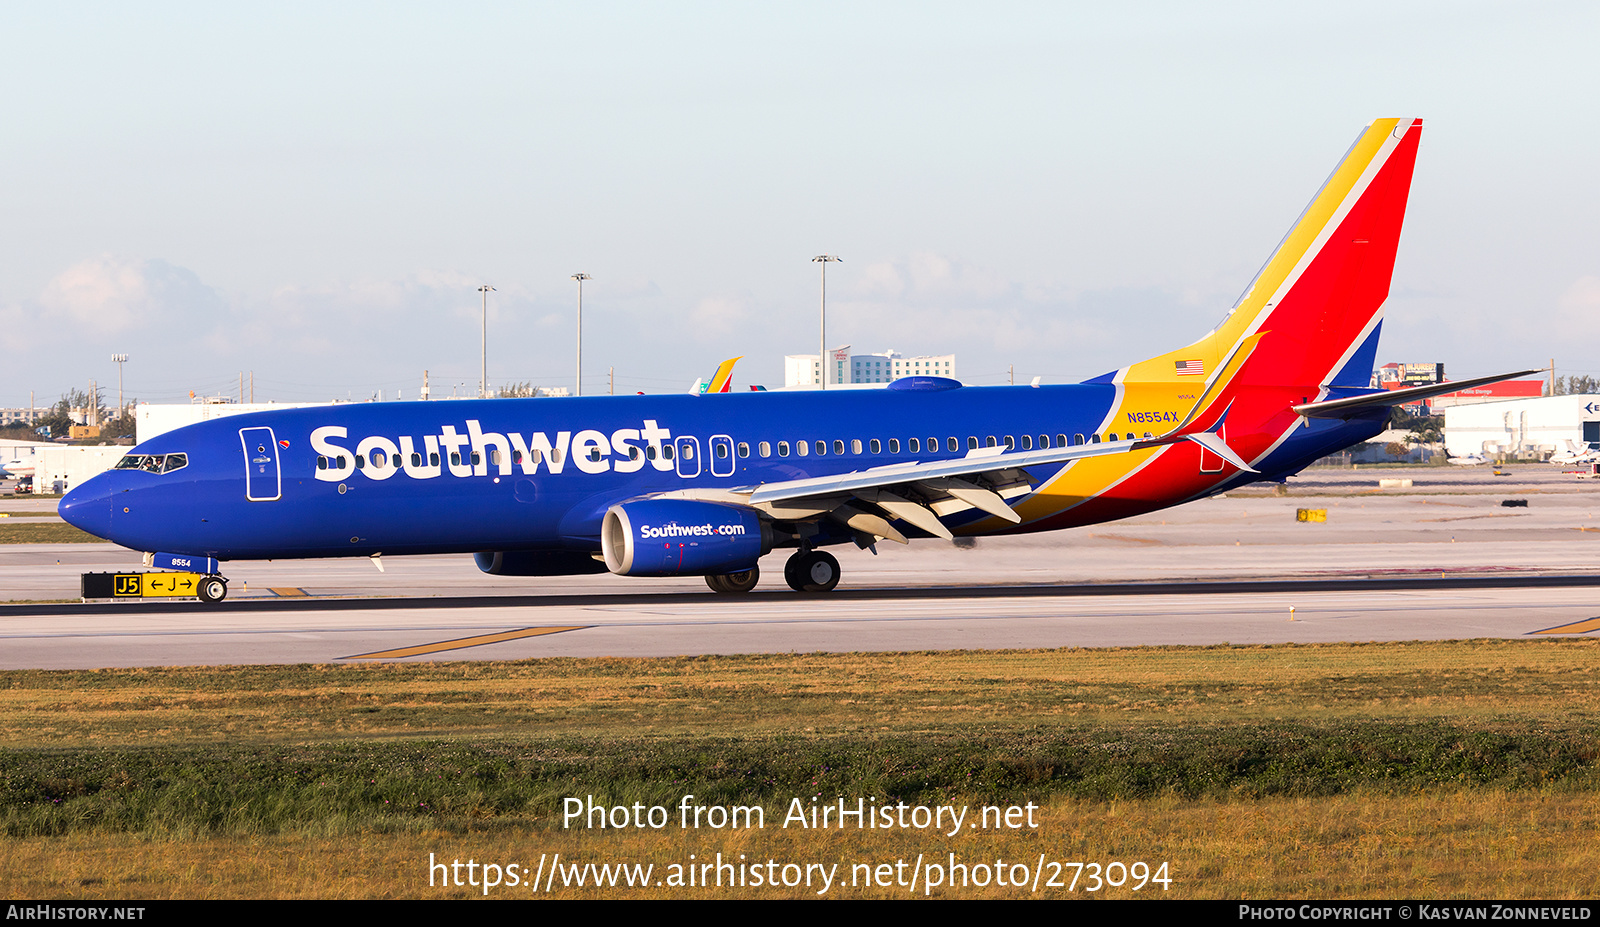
x: 1540, y: 839
x: 42, y: 530
x: 1458, y: 845
x: 1476, y: 682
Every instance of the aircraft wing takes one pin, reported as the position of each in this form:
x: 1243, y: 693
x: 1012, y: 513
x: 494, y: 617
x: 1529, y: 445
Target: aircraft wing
x: 919, y: 492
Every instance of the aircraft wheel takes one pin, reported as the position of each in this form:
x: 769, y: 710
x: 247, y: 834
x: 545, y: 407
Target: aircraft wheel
x: 213, y: 589
x: 743, y: 581
x: 813, y: 571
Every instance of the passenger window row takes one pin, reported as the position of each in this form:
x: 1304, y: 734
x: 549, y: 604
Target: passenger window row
x: 820, y: 447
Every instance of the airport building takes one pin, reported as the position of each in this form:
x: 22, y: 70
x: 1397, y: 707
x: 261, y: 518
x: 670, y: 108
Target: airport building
x: 1489, y: 392
x: 844, y: 368
x: 20, y: 416
x: 1522, y: 427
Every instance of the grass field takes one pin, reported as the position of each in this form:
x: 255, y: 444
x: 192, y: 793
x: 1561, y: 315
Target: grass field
x: 46, y: 529
x: 1465, y: 769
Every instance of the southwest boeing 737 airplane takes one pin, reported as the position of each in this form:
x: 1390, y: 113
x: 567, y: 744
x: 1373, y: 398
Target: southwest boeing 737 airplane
x: 707, y: 485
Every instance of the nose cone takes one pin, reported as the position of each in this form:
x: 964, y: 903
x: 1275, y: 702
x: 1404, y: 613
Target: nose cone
x: 87, y: 507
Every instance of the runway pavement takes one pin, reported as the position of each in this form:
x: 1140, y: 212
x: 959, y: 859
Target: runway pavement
x: 1442, y: 559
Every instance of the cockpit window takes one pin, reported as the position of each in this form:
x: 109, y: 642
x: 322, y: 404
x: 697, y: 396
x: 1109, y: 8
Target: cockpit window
x: 153, y: 463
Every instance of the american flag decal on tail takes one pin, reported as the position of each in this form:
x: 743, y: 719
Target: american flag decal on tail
x: 1190, y: 368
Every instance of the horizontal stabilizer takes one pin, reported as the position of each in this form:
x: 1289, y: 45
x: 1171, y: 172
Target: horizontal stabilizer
x: 1351, y: 405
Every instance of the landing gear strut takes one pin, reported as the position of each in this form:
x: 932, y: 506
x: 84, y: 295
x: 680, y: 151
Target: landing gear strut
x: 734, y: 582
x: 811, y: 571
x: 212, y: 589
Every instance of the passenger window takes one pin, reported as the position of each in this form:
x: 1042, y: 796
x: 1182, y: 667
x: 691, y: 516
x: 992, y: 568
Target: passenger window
x: 433, y: 460
x: 972, y: 442
x: 633, y: 452
x: 894, y: 445
x: 783, y: 449
x: 476, y: 458
x: 322, y: 463
x: 838, y: 446
x: 1148, y: 436
x: 822, y: 448
x: 416, y: 460
x: 666, y: 452
x: 341, y: 462
x: 877, y: 446
x: 555, y: 454
x: 744, y: 449
x: 801, y: 448
x: 594, y: 454
x: 989, y: 441
x: 1027, y: 442
x: 361, y: 462
x: 855, y: 445
x: 953, y: 445
x: 649, y: 453
x: 379, y: 459
x: 688, y: 452
x: 765, y: 449
x: 1094, y: 439
x: 455, y: 459
x: 914, y: 445
x: 721, y: 450
x: 1077, y: 439
x: 1011, y: 443
x: 1061, y: 441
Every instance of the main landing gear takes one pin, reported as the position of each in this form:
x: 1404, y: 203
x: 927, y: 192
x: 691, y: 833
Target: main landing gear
x: 806, y: 571
x: 812, y: 571
x: 734, y: 582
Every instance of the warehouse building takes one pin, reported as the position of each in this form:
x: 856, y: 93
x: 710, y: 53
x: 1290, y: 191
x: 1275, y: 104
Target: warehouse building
x: 1522, y: 427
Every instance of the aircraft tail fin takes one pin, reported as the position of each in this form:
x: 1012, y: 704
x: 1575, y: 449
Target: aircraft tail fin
x: 1309, y: 319
x: 721, y: 381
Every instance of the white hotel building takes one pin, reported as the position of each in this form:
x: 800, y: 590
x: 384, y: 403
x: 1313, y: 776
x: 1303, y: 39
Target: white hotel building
x: 844, y: 368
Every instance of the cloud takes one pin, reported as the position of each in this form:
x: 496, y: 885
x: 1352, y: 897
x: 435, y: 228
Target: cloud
x: 111, y: 295
x: 721, y: 314
x: 932, y: 303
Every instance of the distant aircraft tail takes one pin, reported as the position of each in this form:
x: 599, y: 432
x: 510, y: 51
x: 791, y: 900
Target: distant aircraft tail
x: 721, y: 381
x: 1309, y: 321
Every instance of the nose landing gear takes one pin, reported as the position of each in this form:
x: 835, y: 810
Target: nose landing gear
x: 212, y: 589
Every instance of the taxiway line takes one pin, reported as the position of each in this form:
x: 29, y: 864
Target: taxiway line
x: 461, y: 643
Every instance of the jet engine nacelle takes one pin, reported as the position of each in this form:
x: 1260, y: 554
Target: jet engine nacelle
x: 682, y: 537
x: 537, y: 562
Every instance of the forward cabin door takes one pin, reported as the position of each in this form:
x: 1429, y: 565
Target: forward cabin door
x: 263, y: 480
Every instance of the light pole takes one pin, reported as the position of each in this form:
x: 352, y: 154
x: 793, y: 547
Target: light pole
x: 119, y: 360
x: 580, y: 278
x: 483, y: 384
x: 822, y: 344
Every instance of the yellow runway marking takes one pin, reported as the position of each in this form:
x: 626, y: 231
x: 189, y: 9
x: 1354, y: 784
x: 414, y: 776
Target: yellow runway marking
x: 460, y: 643
x: 289, y: 591
x: 1577, y: 627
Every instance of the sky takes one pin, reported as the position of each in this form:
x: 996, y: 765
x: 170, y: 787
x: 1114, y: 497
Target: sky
x: 312, y: 193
